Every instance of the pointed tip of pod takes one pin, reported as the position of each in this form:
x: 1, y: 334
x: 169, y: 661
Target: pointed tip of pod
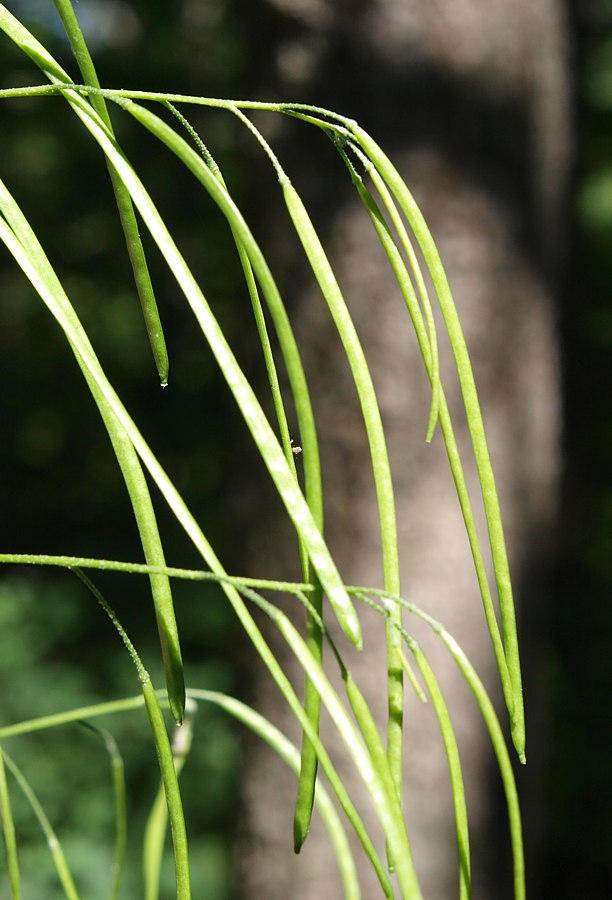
x: 299, y: 836
x: 177, y: 711
x: 346, y: 615
x: 175, y: 688
x: 517, y: 730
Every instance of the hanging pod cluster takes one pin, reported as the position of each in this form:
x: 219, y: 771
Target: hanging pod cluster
x: 402, y: 232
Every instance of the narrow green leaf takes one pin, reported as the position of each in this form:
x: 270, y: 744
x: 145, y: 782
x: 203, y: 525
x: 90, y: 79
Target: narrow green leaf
x: 378, y: 452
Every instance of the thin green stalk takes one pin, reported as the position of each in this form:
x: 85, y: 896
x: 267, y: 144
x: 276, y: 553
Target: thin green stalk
x: 172, y: 791
x: 55, y: 848
x: 118, y: 776
x: 316, y: 675
x: 8, y: 829
x: 475, y: 424
x: 124, y: 204
x: 412, y: 679
x: 503, y: 760
x: 379, y: 782
x: 112, y: 565
x: 73, y: 715
x: 152, y: 546
x: 386, y: 803
x: 384, y: 608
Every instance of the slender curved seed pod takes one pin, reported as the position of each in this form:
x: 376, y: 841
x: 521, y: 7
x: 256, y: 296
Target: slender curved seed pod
x: 490, y: 719
x: 313, y: 492
x: 401, y: 274
x: 503, y: 760
x: 474, y: 417
x: 440, y: 408
x: 135, y: 249
x: 380, y: 786
x: 154, y: 554
x: 314, y: 636
x: 378, y: 451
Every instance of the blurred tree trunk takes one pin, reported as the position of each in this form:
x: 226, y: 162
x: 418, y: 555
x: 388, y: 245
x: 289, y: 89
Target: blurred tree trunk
x: 470, y: 98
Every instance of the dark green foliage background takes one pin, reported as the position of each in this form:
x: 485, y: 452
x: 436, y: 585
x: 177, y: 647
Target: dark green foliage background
x: 62, y: 492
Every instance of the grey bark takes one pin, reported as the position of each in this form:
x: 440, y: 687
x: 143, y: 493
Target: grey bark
x: 471, y: 100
